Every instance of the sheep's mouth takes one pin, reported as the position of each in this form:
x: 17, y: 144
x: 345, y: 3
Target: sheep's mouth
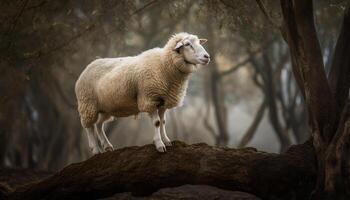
x: 204, y: 61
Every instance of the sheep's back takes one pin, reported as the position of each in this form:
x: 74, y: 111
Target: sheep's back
x: 85, y: 85
x: 115, y: 89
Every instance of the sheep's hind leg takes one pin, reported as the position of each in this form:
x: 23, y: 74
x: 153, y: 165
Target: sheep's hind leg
x: 161, y: 113
x: 102, y: 119
x: 88, y: 117
x: 93, y: 142
x: 157, y: 138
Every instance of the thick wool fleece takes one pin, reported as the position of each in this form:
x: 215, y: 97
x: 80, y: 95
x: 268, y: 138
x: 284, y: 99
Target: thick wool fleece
x: 126, y: 86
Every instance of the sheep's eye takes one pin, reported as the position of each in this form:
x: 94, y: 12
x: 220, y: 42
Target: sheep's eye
x: 187, y: 44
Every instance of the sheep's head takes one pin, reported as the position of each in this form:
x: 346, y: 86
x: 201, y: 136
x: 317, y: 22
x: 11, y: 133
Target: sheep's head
x: 190, y: 47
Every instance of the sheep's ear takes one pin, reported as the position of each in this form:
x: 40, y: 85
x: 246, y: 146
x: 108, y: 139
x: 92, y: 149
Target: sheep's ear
x: 202, y: 41
x: 178, y: 46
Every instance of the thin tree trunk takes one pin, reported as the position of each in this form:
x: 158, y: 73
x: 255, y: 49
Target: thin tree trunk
x: 217, y: 95
x: 253, y: 127
x: 222, y: 138
x: 270, y: 95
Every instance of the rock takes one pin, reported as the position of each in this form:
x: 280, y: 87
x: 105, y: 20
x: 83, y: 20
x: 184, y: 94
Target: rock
x: 187, y: 192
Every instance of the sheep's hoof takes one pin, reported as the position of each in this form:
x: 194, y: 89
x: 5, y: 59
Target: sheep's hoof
x: 95, y: 151
x: 161, y: 149
x: 160, y: 146
x: 109, y: 149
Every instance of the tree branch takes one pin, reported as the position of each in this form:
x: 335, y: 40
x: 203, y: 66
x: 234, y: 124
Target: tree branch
x: 308, y: 67
x: 266, y: 13
x: 236, y: 67
x: 252, y: 129
x: 15, y: 22
x: 143, y: 7
x: 42, y: 52
x: 143, y: 170
x: 339, y: 77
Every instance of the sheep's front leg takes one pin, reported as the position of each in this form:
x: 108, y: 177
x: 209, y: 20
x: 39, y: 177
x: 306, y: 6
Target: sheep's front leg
x: 161, y: 113
x: 157, y: 138
x: 102, y: 119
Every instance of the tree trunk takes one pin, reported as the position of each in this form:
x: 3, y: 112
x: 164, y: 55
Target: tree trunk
x: 12, y: 85
x: 217, y: 96
x: 222, y: 138
x: 337, y: 162
x: 325, y: 98
x: 143, y: 170
x: 252, y: 129
x: 270, y: 95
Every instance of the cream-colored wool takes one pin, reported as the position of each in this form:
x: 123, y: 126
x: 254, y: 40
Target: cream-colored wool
x: 120, y: 87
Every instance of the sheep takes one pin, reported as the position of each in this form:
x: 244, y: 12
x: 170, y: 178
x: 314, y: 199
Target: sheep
x: 151, y: 82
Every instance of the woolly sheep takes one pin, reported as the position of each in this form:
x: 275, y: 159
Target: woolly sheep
x: 152, y: 82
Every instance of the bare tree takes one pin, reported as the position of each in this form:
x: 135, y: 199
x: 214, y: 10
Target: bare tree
x: 327, y: 99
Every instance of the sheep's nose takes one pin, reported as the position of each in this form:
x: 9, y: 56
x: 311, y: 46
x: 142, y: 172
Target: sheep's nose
x: 206, y: 56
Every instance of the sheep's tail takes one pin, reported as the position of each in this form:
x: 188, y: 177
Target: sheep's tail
x: 5, y: 190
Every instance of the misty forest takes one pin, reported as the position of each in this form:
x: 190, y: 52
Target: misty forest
x: 267, y: 118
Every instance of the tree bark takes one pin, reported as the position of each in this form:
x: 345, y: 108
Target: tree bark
x: 336, y: 161
x: 325, y: 98
x: 339, y: 77
x: 143, y: 170
x: 299, y: 32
